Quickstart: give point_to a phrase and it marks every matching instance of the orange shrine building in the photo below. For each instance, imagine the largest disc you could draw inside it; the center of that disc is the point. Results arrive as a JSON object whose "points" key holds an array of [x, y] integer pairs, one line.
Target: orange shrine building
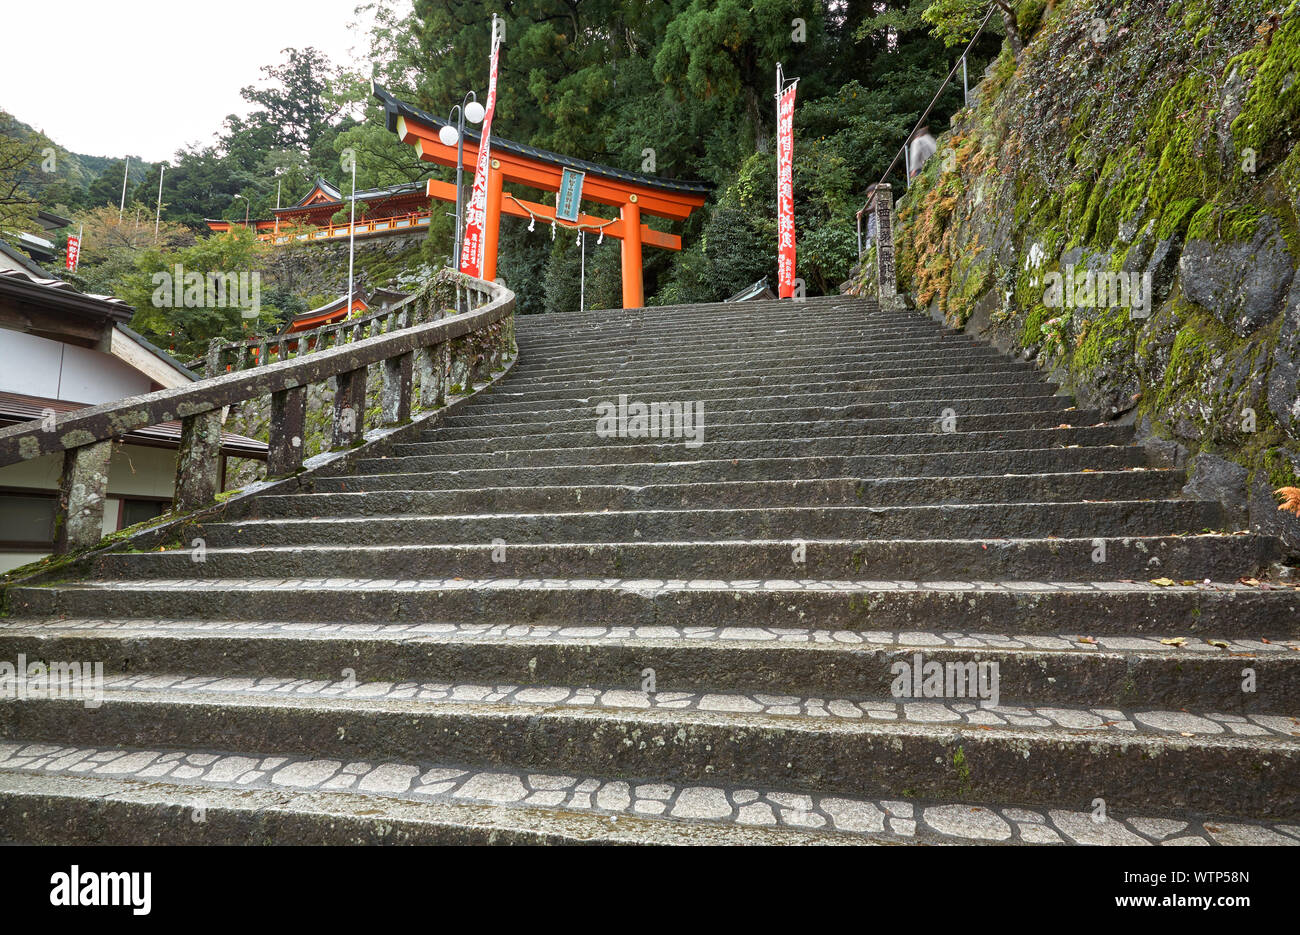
{"points": [[390, 210]]}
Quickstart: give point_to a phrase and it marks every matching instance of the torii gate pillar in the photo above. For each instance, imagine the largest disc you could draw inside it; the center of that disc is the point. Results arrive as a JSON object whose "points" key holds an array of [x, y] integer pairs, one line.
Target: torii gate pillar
{"points": [[633, 286], [492, 221]]}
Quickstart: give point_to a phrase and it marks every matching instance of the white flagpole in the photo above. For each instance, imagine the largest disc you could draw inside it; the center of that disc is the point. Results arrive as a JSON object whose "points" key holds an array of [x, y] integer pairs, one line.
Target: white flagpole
{"points": [[122, 206], [157, 217]]}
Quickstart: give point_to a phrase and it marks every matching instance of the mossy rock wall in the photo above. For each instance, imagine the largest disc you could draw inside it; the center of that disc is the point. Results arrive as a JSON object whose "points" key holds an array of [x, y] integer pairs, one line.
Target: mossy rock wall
{"points": [[1154, 140]]}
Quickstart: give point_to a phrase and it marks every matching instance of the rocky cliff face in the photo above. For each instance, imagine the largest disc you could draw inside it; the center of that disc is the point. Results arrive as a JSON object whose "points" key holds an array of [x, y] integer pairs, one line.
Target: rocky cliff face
{"points": [[1121, 207]]}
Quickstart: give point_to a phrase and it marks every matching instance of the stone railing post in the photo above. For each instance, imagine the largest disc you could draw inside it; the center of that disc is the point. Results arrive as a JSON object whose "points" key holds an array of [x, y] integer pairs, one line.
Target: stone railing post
{"points": [[882, 211], [214, 357], [349, 408], [288, 431], [395, 395], [460, 353], [82, 491], [198, 463]]}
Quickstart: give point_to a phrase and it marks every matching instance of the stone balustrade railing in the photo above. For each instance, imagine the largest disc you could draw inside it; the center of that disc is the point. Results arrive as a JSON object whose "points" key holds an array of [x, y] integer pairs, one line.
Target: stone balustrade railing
{"points": [[225, 356], [440, 352]]}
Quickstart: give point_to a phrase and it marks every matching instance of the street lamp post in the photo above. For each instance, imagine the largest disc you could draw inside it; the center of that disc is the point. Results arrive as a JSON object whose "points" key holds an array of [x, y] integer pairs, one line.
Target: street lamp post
{"points": [[352, 233], [236, 198], [468, 109]]}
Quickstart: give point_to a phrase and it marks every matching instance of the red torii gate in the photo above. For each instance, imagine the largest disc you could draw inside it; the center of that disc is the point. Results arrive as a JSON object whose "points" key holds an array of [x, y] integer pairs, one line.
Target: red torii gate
{"points": [[633, 194]]}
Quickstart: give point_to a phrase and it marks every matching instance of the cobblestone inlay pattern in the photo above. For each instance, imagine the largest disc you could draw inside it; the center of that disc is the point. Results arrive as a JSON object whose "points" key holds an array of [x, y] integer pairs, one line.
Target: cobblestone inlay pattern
{"points": [[645, 585], [560, 632], [1179, 723], [747, 807]]}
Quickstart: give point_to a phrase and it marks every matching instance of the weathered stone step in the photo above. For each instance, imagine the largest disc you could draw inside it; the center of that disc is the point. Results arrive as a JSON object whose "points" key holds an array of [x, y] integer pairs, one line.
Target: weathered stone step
{"points": [[360, 498], [934, 399], [1150, 767], [246, 799], [1179, 557], [778, 366], [621, 323], [696, 355], [1042, 670], [399, 473], [766, 408], [478, 441], [873, 424], [843, 378], [622, 451], [917, 521], [779, 354], [1217, 611], [637, 331], [40, 809]]}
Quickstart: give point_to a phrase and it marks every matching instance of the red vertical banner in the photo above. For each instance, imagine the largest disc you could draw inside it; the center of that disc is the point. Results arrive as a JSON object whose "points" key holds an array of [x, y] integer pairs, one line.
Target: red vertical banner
{"points": [[74, 251], [471, 249], [785, 251]]}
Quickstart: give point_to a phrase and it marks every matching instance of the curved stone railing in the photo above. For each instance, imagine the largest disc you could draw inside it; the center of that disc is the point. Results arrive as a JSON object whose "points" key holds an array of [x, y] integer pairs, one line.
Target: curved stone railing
{"points": [[445, 352], [425, 305]]}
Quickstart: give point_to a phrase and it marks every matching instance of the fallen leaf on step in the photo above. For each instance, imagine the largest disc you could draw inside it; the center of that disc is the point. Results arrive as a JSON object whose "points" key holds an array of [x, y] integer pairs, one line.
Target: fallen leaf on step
{"points": [[1219, 643], [1163, 582], [1175, 641], [1091, 641], [1250, 581]]}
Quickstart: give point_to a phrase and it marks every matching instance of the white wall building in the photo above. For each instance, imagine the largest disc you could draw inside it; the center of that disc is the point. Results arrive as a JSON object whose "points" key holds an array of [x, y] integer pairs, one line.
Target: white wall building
{"points": [[62, 350]]}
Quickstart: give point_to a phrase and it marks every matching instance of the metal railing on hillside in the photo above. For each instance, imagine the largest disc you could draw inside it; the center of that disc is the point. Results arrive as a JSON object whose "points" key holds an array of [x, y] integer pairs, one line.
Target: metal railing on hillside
{"points": [[441, 352], [902, 150]]}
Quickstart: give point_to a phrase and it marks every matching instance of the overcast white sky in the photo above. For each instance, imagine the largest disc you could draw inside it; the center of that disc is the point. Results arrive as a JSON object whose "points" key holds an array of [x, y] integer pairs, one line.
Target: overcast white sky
{"points": [[148, 76]]}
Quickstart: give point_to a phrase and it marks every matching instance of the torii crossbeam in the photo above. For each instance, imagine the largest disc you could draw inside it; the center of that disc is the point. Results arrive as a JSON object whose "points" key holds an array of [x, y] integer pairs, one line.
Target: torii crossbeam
{"points": [[633, 194]]}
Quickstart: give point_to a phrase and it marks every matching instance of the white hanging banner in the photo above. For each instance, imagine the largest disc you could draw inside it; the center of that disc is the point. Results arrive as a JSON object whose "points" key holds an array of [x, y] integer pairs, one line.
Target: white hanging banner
{"points": [[471, 250]]}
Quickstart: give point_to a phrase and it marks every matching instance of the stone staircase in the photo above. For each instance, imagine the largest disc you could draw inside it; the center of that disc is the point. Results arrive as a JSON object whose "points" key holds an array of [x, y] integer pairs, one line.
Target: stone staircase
{"points": [[516, 630]]}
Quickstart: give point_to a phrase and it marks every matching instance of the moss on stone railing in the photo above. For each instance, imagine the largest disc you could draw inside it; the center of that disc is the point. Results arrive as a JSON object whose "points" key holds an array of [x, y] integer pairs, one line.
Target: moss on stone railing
{"points": [[428, 354]]}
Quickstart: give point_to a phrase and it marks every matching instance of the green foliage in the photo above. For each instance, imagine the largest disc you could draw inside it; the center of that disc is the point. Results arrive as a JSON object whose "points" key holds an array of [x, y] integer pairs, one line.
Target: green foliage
{"points": [[954, 21], [679, 89], [187, 328]]}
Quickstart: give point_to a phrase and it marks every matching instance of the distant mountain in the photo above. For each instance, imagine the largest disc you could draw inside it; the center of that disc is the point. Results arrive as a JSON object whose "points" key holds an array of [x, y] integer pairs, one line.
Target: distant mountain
{"points": [[73, 174]]}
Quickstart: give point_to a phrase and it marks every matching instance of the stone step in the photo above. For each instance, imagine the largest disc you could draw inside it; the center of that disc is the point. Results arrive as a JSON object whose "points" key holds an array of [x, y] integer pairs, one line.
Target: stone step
{"points": [[399, 473], [919, 521], [783, 408], [246, 799], [635, 330], [1179, 557], [635, 450], [1137, 761], [359, 498], [478, 441], [841, 379], [1219, 611], [1074, 669], [780, 356], [996, 397]]}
